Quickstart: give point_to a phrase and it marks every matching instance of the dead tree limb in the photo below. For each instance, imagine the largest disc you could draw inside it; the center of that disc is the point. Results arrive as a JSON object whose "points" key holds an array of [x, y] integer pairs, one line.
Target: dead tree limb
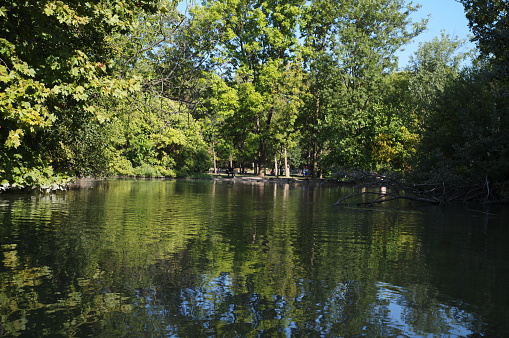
{"points": [[374, 188]]}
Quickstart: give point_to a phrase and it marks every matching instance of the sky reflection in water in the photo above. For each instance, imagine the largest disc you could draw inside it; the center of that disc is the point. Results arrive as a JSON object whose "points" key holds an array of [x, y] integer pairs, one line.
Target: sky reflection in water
{"points": [[176, 258]]}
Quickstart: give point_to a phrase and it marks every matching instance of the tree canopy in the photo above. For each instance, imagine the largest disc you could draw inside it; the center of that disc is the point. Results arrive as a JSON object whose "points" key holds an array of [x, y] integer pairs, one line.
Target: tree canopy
{"points": [[489, 23]]}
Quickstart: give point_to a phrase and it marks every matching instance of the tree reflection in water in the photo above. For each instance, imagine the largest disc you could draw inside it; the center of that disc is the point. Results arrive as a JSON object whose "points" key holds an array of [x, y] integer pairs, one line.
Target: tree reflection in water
{"points": [[174, 258]]}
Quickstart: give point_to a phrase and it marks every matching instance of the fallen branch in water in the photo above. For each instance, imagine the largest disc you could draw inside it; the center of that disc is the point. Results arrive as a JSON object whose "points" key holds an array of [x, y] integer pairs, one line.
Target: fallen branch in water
{"points": [[375, 188]]}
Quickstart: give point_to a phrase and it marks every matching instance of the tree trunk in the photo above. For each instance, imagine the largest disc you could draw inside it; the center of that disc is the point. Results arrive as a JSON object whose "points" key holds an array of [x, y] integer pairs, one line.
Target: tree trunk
{"points": [[276, 172], [261, 159], [287, 169], [315, 172], [215, 160]]}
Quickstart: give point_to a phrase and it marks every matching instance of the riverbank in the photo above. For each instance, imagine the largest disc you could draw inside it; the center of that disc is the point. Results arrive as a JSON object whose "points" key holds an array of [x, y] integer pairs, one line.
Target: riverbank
{"points": [[294, 179], [89, 182]]}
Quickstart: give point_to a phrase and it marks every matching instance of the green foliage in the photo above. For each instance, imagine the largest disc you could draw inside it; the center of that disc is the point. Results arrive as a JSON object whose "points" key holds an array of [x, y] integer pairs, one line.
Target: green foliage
{"points": [[194, 163], [18, 173], [157, 129], [121, 88], [79, 83], [258, 42], [156, 142], [434, 65], [54, 61], [442, 95], [489, 22], [350, 49], [466, 139]]}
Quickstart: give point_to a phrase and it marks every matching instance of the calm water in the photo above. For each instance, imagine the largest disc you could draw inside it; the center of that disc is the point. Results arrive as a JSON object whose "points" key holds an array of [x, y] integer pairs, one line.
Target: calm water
{"points": [[215, 259]]}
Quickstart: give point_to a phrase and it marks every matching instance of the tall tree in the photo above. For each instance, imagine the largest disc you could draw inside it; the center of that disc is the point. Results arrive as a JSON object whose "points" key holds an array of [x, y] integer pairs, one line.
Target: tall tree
{"points": [[486, 132], [259, 40], [351, 47], [433, 66], [463, 112], [160, 132]]}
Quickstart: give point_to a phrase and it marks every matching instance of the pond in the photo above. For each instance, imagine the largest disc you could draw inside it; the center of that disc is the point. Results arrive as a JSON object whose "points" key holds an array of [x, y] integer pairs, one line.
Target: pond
{"points": [[171, 258]]}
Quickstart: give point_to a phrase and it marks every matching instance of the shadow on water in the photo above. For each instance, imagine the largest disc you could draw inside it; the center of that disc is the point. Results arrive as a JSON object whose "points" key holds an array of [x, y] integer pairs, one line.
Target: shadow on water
{"points": [[200, 259]]}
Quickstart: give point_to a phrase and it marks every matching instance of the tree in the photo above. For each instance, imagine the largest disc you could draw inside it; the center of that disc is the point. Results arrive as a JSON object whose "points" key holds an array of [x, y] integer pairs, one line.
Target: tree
{"points": [[489, 22], [160, 131], [350, 49], [462, 116], [287, 104], [433, 70], [54, 60], [482, 150], [258, 43], [433, 66], [218, 104]]}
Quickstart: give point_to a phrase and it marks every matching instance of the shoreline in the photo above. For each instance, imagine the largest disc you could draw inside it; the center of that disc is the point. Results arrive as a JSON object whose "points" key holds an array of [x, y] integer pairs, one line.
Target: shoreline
{"points": [[276, 179]]}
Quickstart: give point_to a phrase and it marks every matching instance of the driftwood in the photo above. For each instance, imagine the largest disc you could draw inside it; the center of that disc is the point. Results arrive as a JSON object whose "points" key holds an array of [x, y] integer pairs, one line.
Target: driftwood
{"points": [[375, 188]]}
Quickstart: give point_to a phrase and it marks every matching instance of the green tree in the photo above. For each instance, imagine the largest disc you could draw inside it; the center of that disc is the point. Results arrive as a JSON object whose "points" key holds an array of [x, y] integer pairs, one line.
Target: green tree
{"points": [[54, 60], [431, 71], [465, 139], [158, 128], [219, 103], [258, 42], [435, 70], [350, 48], [483, 114], [288, 101], [433, 66], [489, 22]]}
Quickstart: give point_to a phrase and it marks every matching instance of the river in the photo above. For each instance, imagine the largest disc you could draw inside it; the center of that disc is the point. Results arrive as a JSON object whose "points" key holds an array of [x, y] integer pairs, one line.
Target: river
{"points": [[172, 258]]}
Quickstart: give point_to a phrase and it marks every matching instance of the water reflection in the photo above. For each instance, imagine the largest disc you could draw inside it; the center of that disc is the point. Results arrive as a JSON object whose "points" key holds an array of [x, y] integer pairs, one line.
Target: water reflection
{"points": [[396, 307], [175, 258]]}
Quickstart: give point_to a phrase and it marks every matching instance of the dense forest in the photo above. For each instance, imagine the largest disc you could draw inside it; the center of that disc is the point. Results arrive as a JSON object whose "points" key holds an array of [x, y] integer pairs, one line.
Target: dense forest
{"points": [[137, 88]]}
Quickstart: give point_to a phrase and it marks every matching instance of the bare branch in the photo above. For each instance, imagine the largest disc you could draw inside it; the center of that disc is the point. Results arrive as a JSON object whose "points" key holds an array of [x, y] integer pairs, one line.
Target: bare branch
{"points": [[380, 188], [154, 44]]}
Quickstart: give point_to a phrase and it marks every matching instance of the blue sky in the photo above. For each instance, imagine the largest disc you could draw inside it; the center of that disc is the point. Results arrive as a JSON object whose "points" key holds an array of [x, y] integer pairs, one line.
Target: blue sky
{"points": [[447, 15]]}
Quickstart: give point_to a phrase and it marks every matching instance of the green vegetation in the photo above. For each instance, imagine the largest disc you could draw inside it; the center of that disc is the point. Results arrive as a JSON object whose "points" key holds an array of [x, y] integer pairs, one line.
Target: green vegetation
{"points": [[136, 88]]}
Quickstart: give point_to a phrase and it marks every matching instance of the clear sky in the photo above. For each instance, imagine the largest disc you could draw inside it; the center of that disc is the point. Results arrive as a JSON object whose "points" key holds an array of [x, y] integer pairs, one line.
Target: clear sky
{"points": [[447, 15]]}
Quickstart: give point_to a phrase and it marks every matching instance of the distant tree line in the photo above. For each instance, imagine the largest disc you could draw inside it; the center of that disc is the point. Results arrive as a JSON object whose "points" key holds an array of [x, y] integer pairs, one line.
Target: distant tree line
{"points": [[137, 88]]}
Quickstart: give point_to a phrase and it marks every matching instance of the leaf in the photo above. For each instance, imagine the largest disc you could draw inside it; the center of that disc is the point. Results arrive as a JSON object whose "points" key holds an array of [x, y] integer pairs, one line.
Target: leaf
{"points": [[14, 138], [80, 94], [48, 10]]}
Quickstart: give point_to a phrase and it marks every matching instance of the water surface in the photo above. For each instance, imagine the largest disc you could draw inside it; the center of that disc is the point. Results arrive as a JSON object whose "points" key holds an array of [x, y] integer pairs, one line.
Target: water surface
{"points": [[217, 259]]}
